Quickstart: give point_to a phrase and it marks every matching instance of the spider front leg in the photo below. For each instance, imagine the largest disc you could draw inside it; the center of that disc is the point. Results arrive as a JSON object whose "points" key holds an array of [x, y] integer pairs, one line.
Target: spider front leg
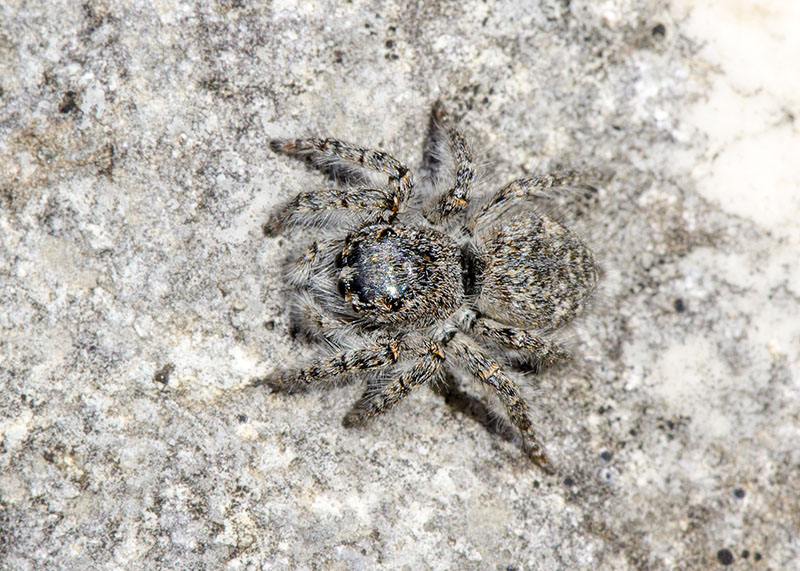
{"points": [[327, 153], [310, 208], [521, 190], [373, 403], [300, 272], [309, 318], [325, 370], [541, 351], [490, 372], [457, 197]]}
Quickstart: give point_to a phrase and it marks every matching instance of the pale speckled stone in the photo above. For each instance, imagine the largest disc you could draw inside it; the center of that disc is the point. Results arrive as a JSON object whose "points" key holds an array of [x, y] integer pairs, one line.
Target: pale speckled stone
{"points": [[138, 292]]}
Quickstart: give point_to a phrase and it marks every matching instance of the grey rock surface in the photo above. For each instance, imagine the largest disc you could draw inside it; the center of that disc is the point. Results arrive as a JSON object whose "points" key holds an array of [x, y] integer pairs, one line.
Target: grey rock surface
{"points": [[139, 296]]}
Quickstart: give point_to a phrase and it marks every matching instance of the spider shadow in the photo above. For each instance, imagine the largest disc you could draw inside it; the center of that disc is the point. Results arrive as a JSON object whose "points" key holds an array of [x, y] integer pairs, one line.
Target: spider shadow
{"points": [[473, 407]]}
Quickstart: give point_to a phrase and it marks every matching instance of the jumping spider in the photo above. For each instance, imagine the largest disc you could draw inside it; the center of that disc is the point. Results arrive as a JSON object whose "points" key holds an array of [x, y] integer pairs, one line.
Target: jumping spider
{"points": [[405, 291]]}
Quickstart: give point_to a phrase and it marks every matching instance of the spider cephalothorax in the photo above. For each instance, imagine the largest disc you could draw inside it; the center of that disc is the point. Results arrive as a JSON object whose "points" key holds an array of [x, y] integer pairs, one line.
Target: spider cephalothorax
{"points": [[400, 275], [413, 291]]}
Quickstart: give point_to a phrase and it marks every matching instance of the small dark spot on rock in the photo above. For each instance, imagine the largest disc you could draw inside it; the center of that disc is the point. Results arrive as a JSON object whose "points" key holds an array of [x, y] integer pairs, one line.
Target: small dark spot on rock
{"points": [[389, 44], [70, 102], [269, 325], [536, 483], [569, 482], [606, 455], [679, 306], [739, 493], [745, 554], [162, 375], [659, 31], [214, 83], [725, 556], [756, 556], [49, 456], [241, 417]]}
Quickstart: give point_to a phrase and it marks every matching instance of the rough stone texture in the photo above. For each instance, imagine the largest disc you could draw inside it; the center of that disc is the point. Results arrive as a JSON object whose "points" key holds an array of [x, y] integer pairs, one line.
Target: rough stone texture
{"points": [[139, 294]]}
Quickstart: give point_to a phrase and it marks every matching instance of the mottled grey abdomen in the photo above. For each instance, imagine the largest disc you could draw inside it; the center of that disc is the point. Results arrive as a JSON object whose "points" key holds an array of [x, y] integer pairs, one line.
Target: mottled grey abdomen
{"points": [[537, 274]]}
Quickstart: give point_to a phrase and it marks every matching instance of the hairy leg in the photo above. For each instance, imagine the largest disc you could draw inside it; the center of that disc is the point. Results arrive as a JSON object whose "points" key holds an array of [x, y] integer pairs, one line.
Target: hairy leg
{"points": [[478, 363], [309, 318], [325, 370], [301, 271], [373, 403], [523, 189], [309, 208], [542, 351], [332, 151], [457, 197]]}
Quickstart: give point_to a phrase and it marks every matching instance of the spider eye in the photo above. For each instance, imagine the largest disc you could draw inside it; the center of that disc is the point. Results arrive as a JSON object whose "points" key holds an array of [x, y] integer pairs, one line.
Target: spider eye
{"points": [[339, 261]]}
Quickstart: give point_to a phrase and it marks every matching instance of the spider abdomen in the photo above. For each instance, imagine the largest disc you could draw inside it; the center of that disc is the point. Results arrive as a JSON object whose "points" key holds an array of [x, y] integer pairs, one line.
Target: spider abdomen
{"points": [[537, 272], [401, 274]]}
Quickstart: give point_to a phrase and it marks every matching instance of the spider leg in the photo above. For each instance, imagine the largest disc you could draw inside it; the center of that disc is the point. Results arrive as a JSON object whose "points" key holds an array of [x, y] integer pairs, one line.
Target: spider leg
{"points": [[309, 318], [332, 152], [457, 197], [523, 189], [542, 350], [325, 370], [308, 315], [490, 372], [373, 403], [309, 208], [300, 272]]}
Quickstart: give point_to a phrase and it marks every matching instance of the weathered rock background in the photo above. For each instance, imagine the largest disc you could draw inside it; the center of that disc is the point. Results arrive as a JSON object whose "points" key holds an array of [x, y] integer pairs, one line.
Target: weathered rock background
{"points": [[139, 294]]}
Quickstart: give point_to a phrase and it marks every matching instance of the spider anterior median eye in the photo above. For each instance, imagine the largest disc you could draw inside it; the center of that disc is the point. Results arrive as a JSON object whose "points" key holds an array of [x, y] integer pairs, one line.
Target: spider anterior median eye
{"points": [[341, 287]]}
